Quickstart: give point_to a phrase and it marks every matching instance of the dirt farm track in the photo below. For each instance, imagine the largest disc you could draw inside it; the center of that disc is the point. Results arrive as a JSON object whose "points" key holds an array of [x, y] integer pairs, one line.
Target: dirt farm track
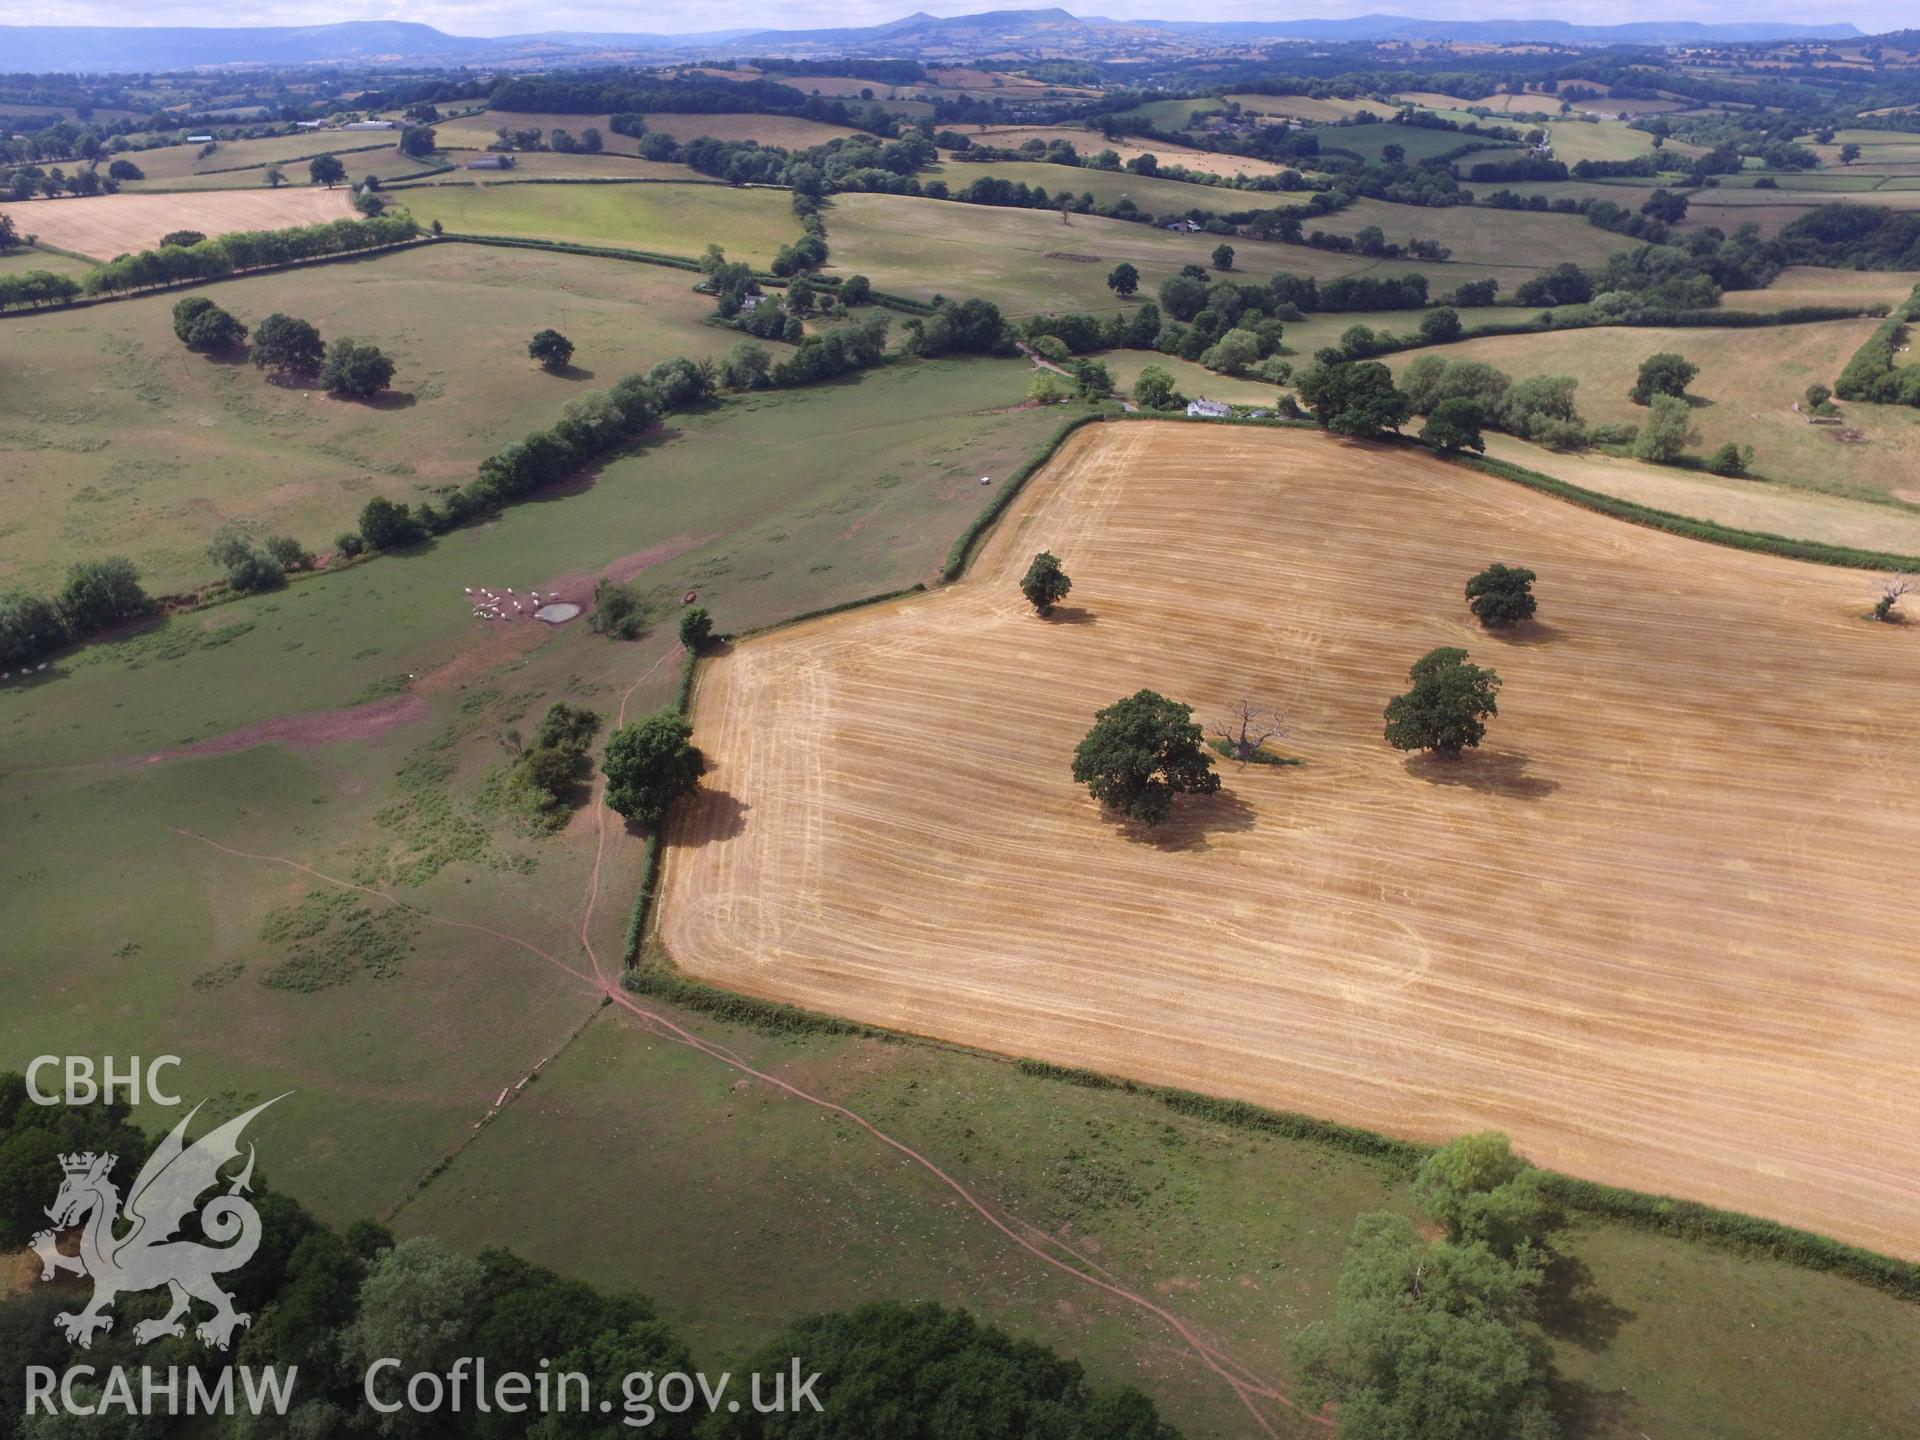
{"points": [[1663, 928]]}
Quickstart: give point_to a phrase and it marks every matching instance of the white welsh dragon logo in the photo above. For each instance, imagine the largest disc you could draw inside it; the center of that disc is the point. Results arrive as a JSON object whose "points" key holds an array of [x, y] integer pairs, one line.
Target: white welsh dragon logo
{"points": [[146, 1256]]}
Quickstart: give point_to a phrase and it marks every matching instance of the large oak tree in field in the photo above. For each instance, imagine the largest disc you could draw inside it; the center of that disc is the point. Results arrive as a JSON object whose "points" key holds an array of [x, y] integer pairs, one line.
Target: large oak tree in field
{"points": [[650, 764], [1447, 708], [1141, 752]]}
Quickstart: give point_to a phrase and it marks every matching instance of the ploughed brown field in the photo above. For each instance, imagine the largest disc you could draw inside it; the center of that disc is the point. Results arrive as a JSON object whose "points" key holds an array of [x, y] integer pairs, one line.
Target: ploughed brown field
{"points": [[104, 226], [1662, 927]]}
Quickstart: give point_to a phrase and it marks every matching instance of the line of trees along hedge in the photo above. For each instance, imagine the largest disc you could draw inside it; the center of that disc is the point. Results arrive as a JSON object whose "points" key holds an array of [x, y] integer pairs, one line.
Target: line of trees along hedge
{"points": [[1872, 373], [597, 425], [35, 288], [97, 595], [330, 1303], [246, 250]]}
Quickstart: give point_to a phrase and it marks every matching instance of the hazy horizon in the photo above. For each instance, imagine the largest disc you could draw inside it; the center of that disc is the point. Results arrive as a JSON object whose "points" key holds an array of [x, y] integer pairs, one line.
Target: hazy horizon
{"points": [[503, 17]]}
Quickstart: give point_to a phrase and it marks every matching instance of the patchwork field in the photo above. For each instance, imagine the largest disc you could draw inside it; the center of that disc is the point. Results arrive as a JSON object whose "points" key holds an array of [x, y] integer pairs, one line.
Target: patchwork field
{"points": [[158, 448], [173, 163], [1745, 393], [1517, 940], [673, 219], [789, 132], [1306, 107], [104, 226], [385, 162]]}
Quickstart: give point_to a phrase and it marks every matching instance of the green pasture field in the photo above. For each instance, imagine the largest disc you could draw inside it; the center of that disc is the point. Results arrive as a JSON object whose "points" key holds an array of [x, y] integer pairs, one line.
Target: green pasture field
{"points": [[1815, 181], [138, 940], [786, 131], [1303, 337], [1152, 194], [477, 132], [1631, 194], [1013, 257], [669, 219], [1576, 140], [1748, 382], [1191, 380], [137, 446], [546, 165], [770, 1207], [1368, 141], [65, 112], [1173, 115], [1479, 235], [1306, 107], [1877, 147], [23, 258]]}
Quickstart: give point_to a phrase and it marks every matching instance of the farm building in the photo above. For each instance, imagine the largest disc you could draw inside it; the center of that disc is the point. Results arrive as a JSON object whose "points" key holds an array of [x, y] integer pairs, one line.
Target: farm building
{"points": [[491, 162], [1209, 409], [370, 125]]}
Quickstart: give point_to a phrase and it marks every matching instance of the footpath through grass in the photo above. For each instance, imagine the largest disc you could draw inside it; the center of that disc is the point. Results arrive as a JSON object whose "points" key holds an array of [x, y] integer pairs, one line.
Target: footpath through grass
{"points": [[741, 1209], [396, 1034]]}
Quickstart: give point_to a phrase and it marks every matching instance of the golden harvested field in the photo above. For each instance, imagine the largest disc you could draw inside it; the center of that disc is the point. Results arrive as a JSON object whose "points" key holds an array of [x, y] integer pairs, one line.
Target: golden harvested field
{"points": [[104, 226], [1812, 285], [1656, 929], [1744, 504], [1744, 394], [1091, 142]]}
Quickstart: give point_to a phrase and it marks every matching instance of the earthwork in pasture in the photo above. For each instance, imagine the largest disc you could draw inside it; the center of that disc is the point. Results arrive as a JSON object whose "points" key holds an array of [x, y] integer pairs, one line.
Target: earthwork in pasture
{"points": [[104, 226], [1647, 928]]}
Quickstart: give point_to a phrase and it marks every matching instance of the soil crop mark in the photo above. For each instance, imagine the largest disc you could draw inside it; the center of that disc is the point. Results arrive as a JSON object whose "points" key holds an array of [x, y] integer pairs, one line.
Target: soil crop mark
{"points": [[315, 727]]}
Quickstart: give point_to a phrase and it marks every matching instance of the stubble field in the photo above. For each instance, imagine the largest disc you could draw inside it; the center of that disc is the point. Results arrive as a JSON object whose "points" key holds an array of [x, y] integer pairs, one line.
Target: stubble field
{"points": [[104, 226], [1641, 930]]}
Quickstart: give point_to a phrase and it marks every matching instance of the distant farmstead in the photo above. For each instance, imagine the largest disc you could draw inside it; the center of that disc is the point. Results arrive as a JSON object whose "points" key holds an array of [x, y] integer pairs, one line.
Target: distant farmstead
{"points": [[370, 125], [491, 162], [1209, 409]]}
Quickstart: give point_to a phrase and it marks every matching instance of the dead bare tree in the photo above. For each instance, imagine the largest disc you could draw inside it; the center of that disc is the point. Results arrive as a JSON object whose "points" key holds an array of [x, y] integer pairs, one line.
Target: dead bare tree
{"points": [[1244, 734], [1887, 607]]}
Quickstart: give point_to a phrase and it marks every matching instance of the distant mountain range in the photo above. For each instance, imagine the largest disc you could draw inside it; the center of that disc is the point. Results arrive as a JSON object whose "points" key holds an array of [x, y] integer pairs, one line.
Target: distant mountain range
{"points": [[41, 48]]}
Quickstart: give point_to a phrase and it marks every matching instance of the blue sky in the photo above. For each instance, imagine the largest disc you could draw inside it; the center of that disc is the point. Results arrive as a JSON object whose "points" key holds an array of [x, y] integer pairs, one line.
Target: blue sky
{"points": [[498, 17]]}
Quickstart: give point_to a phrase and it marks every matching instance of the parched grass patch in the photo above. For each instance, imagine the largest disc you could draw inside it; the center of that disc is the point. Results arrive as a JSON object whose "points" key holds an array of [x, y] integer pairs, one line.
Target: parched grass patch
{"points": [[334, 937]]}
